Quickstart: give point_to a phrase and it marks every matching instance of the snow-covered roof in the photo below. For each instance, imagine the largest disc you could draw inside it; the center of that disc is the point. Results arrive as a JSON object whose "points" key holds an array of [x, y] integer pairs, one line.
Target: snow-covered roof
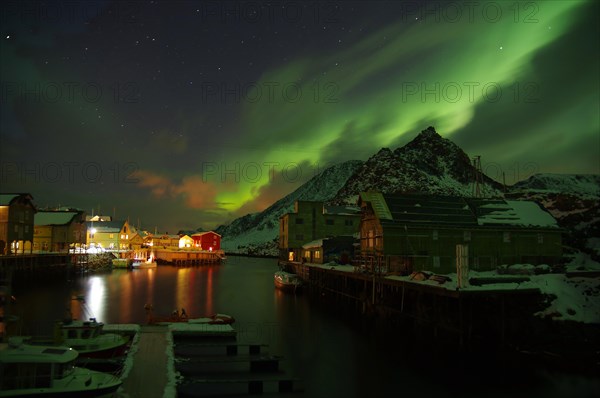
{"points": [[53, 217], [105, 225], [313, 244], [342, 210], [402, 209], [204, 233], [517, 212]]}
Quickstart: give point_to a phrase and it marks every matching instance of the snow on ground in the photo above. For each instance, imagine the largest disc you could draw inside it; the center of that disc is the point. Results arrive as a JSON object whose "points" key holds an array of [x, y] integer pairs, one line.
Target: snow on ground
{"points": [[594, 244], [201, 329], [575, 299], [172, 374], [132, 349], [570, 298], [582, 262]]}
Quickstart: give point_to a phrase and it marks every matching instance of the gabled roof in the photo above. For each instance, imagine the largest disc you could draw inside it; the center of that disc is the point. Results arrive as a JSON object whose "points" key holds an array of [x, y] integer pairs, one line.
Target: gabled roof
{"points": [[7, 199], [204, 233], [54, 217], [457, 211], [166, 236], [105, 226], [378, 203]]}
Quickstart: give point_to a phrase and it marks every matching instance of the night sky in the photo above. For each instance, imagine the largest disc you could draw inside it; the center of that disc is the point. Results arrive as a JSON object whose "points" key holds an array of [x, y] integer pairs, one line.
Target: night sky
{"points": [[188, 114]]}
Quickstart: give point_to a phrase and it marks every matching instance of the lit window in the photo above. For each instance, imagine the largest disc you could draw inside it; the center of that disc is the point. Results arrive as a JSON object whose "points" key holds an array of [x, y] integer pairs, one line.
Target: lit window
{"points": [[318, 254]]}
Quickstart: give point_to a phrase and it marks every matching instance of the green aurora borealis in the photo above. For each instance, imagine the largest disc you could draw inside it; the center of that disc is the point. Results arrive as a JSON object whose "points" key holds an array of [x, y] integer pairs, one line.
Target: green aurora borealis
{"points": [[514, 82]]}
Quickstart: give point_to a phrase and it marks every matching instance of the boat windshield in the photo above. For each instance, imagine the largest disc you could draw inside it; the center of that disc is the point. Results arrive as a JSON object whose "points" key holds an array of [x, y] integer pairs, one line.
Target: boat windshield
{"points": [[65, 369]]}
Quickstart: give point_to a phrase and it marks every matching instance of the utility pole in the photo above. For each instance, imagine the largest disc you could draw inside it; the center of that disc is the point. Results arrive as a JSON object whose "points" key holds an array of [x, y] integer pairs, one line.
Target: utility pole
{"points": [[478, 177]]}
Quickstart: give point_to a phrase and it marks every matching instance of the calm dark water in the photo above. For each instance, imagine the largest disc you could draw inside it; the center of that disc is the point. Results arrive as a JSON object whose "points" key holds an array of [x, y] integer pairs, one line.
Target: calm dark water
{"points": [[337, 355]]}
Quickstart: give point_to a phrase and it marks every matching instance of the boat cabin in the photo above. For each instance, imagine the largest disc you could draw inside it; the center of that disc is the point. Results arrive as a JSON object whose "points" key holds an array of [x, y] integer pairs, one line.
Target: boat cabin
{"points": [[25, 367]]}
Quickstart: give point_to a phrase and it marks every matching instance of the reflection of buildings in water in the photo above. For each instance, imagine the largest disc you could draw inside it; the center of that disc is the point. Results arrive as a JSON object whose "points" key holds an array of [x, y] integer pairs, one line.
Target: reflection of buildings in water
{"points": [[184, 291], [126, 297], [96, 298], [209, 291], [191, 283]]}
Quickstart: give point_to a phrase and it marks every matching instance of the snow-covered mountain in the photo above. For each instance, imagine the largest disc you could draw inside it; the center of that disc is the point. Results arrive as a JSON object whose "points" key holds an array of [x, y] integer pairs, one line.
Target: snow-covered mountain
{"points": [[574, 200], [427, 164], [255, 233]]}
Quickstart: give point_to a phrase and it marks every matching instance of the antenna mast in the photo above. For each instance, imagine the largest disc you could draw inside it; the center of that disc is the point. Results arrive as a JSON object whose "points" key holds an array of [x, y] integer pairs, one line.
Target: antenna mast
{"points": [[478, 177]]}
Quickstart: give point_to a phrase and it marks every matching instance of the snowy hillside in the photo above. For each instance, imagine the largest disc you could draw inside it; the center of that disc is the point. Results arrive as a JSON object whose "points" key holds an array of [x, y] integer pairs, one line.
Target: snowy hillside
{"points": [[431, 164], [574, 200], [249, 233], [428, 164], [581, 185]]}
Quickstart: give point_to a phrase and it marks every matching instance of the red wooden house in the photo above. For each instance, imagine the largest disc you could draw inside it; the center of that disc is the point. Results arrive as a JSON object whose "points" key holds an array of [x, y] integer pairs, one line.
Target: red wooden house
{"points": [[210, 241]]}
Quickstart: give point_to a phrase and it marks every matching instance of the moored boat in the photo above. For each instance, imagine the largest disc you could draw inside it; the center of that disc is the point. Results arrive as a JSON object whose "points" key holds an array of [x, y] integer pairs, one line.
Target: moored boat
{"points": [[38, 371], [287, 281], [143, 264], [87, 338], [148, 263], [176, 317]]}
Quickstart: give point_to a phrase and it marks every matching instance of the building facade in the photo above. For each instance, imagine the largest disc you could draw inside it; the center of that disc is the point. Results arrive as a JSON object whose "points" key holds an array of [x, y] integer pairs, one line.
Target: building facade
{"points": [[16, 223], [109, 235], [59, 230], [313, 220], [337, 249], [209, 240], [410, 232]]}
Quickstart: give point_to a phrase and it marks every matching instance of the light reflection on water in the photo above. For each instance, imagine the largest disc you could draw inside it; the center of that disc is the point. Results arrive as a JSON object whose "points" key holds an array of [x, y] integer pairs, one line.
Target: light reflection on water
{"points": [[335, 356]]}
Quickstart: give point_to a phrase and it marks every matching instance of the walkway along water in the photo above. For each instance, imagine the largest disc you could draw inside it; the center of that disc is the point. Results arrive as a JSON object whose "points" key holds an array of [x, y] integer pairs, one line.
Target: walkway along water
{"points": [[148, 377]]}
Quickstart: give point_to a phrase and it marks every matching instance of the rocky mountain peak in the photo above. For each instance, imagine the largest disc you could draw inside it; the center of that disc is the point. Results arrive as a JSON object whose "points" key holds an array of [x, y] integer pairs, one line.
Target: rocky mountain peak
{"points": [[428, 163]]}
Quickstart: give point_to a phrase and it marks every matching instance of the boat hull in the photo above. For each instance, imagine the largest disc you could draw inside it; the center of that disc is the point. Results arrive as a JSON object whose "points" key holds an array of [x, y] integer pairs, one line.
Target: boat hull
{"points": [[287, 282], [144, 265], [109, 352], [288, 287]]}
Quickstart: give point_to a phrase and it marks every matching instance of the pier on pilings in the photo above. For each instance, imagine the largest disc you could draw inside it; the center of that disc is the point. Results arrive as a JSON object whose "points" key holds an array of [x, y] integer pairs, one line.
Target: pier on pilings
{"points": [[27, 266], [427, 311]]}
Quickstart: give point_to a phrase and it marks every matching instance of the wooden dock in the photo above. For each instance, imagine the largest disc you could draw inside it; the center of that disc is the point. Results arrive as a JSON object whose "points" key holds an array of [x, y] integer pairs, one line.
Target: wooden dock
{"points": [[148, 376], [230, 369], [458, 316], [189, 257]]}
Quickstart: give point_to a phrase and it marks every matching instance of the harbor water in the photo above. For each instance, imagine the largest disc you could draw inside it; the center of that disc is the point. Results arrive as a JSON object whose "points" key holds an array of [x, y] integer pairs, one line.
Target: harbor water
{"points": [[335, 353]]}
